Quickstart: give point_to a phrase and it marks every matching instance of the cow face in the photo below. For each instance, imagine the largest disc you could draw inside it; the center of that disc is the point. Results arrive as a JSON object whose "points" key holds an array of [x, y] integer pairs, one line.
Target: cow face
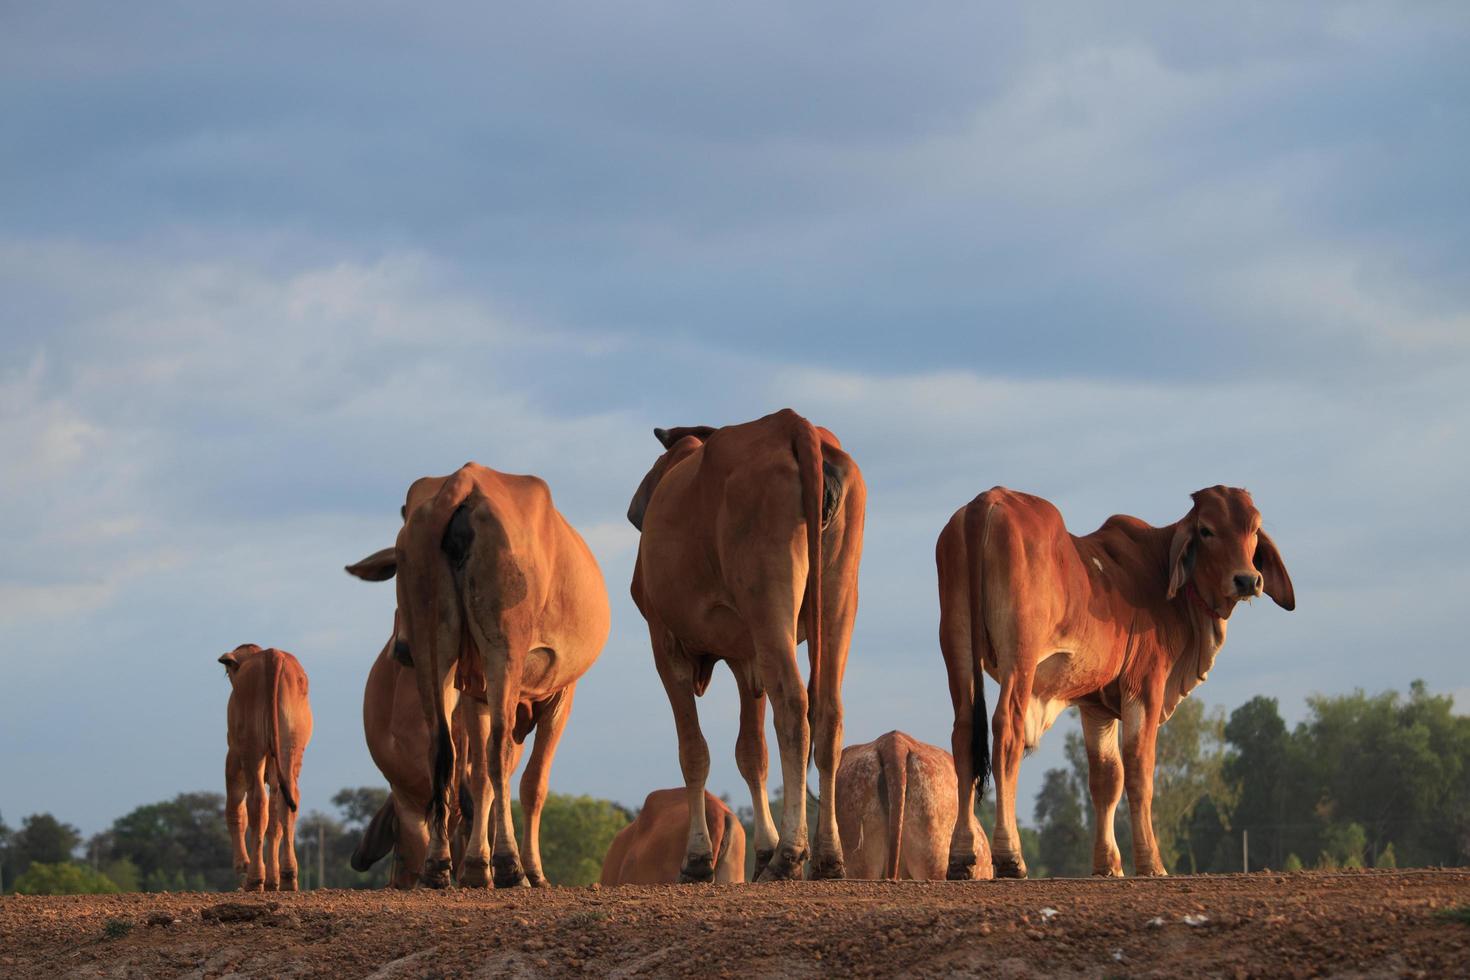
{"points": [[1220, 550], [678, 443]]}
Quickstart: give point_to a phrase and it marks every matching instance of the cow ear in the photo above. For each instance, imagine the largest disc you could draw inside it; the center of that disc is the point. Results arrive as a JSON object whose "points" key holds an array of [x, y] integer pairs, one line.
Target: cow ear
{"points": [[1181, 557], [377, 567], [1273, 571], [231, 661], [667, 437], [639, 504]]}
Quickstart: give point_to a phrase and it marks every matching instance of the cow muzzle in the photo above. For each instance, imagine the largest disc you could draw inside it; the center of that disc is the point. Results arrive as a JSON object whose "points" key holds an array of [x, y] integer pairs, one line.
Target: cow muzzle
{"points": [[1248, 585]]}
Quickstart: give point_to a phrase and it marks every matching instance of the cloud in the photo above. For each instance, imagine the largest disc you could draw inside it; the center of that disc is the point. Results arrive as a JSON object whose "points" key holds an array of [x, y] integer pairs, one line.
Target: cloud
{"points": [[263, 268]]}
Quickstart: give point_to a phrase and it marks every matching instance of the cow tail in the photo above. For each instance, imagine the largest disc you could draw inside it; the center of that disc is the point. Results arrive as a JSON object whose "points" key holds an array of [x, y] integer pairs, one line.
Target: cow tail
{"points": [[722, 844], [891, 765], [808, 446], [378, 839], [975, 523], [283, 775]]}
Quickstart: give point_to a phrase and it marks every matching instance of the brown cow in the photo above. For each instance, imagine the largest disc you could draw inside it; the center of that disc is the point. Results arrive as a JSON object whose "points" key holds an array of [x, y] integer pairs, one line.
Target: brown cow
{"points": [[751, 540], [269, 726], [398, 740], [486, 563], [896, 808], [1122, 622], [650, 850]]}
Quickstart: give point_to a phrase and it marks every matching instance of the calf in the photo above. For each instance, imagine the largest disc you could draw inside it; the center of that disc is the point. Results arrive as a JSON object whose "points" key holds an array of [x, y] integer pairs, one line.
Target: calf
{"points": [[269, 726], [896, 808], [650, 850]]}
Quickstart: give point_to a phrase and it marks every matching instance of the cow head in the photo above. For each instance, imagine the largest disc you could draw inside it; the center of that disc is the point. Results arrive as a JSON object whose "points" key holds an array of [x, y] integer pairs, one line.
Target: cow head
{"points": [[1220, 551], [678, 443], [236, 657]]}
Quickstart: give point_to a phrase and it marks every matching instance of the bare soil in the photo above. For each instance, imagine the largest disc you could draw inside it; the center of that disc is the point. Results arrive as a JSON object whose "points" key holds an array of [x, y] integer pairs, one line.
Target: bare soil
{"points": [[1356, 924]]}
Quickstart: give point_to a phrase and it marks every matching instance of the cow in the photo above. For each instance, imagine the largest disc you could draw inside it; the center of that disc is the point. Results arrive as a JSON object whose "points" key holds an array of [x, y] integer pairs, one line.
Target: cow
{"points": [[485, 564], [896, 808], [751, 538], [650, 850], [1122, 623], [269, 725], [398, 740]]}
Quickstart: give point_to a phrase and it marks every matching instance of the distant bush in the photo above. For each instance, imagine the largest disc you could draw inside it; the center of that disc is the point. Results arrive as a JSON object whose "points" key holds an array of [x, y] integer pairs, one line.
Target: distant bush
{"points": [[63, 878], [1293, 863], [1386, 858]]}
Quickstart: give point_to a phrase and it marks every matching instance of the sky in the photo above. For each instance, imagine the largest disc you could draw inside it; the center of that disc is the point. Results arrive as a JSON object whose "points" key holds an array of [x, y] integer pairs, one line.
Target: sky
{"points": [[262, 265]]}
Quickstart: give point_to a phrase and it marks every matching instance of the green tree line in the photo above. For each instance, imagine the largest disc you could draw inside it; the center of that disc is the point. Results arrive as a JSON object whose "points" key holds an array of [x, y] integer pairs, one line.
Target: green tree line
{"points": [[1381, 780], [183, 844], [1362, 781]]}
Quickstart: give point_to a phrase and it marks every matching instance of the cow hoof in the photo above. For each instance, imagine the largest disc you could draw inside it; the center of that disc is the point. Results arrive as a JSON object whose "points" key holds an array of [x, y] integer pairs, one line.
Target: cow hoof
{"points": [[1108, 873], [1158, 872], [785, 865], [828, 869], [254, 885], [537, 881], [288, 883], [435, 874], [474, 873], [961, 869], [509, 874], [762, 858], [272, 886], [1010, 868], [697, 870]]}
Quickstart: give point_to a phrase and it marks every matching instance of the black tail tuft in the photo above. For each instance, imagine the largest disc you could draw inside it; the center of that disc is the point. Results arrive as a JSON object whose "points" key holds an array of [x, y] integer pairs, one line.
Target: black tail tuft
{"points": [[980, 736]]}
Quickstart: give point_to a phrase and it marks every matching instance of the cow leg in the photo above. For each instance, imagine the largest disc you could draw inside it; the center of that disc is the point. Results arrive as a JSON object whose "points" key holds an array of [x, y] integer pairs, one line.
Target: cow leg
{"points": [[751, 757], [273, 829], [1105, 784], [550, 720], [237, 785], [413, 843], [1140, 736], [677, 673], [969, 851], [288, 851], [429, 601], [474, 865], [777, 660], [256, 802], [1009, 730], [826, 713]]}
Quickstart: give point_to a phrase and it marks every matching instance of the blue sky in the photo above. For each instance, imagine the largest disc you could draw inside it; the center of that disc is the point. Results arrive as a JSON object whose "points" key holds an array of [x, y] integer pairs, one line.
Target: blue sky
{"points": [[261, 266]]}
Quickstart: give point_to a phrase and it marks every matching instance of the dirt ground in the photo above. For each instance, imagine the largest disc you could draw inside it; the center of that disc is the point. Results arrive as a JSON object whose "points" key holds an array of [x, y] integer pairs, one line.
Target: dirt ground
{"points": [[1363, 924]]}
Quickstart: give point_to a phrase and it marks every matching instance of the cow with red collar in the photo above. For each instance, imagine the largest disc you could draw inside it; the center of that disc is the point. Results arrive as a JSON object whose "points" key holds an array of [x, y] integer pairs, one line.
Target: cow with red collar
{"points": [[1122, 622]]}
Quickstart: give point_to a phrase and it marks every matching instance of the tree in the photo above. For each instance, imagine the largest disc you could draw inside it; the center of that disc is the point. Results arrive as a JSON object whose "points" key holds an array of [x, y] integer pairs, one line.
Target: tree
{"points": [[1399, 767], [1258, 766], [359, 805], [41, 838], [63, 878], [575, 834], [177, 845], [1062, 832], [5, 834]]}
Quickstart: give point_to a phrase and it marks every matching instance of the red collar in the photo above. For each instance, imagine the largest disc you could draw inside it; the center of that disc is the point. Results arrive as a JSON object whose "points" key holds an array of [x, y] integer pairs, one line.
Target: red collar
{"points": [[1199, 600]]}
